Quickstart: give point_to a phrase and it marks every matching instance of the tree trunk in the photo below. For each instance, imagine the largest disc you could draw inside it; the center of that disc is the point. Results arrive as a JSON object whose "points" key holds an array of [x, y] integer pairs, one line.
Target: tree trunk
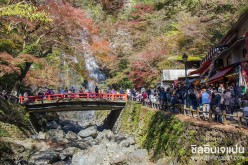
{"points": [[23, 74]]}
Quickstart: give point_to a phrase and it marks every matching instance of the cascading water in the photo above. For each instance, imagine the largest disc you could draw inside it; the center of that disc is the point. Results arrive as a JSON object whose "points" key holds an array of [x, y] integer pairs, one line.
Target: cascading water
{"points": [[95, 75]]}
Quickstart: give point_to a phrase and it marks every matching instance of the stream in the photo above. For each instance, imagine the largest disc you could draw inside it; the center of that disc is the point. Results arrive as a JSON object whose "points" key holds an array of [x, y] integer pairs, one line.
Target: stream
{"points": [[76, 138]]}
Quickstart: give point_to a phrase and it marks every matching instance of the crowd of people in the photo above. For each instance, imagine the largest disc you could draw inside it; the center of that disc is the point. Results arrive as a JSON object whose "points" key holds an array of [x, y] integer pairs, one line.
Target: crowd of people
{"points": [[5, 95], [219, 98], [72, 90]]}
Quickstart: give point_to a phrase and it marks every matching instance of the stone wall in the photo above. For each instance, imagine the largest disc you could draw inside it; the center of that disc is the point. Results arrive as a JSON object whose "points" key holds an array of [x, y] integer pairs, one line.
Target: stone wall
{"points": [[170, 140]]}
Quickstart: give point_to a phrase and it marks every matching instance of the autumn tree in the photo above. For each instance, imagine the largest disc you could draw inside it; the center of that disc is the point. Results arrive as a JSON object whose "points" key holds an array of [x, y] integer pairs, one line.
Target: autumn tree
{"points": [[37, 29]]}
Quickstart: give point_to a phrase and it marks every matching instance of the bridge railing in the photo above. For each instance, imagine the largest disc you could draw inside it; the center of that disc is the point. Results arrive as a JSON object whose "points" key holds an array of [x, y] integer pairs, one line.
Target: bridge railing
{"points": [[72, 96]]}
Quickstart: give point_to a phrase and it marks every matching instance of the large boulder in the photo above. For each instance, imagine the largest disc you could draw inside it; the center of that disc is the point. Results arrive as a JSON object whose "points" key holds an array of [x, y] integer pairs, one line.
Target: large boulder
{"points": [[68, 152], [71, 127], [41, 136], [105, 134], [46, 157], [118, 138], [53, 125], [139, 156], [118, 158], [82, 144], [55, 134], [95, 155], [131, 140], [89, 131], [71, 135], [124, 143], [67, 162]]}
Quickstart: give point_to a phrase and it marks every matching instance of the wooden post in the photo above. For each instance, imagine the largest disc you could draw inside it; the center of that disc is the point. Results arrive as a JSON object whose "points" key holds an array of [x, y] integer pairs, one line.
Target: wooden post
{"points": [[197, 112], [224, 117], [126, 97], [191, 111], [210, 115], [184, 110], [20, 99], [239, 121], [113, 97]]}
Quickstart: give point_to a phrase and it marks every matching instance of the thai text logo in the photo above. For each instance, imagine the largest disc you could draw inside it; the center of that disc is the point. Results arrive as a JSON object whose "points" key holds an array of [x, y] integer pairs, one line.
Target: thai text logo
{"points": [[206, 149]]}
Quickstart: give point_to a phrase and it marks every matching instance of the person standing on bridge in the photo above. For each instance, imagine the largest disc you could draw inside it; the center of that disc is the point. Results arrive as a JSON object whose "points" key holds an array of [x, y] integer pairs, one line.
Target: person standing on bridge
{"points": [[62, 91], [96, 89], [121, 91], [25, 95]]}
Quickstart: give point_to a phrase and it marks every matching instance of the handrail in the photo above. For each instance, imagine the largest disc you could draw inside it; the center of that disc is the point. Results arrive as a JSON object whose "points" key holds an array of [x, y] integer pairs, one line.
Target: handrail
{"points": [[183, 110], [71, 96]]}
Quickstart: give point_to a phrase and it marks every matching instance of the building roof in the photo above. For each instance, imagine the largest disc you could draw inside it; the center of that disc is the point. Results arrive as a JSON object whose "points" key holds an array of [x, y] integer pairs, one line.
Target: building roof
{"points": [[231, 34], [234, 28]]}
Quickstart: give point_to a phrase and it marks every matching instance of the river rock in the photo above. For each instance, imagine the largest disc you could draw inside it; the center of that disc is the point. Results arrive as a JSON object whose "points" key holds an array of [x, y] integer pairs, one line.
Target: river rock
{"points": [[71, 127], [52, 125], [55, 134], [82, 145], [68, 152], [108, 134], [112, 148], [100, 136], [105, 134], [41, 136], [171, 161], [118, 158], [7, 162], [118, 138], [124, 143], [131, 140], [88, 139], [22, 162], [67, 162], [46, 157], [89, 131], [138, 156], [71, 135], [92, 156]]}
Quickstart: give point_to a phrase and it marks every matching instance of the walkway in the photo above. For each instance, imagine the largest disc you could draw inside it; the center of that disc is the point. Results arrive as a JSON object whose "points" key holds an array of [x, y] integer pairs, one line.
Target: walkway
{"points": [[236, 119]]}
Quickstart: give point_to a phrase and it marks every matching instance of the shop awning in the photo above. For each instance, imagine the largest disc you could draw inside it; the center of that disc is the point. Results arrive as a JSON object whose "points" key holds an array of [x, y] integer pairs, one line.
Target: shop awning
{"points": [[203, 67], [219, 75]]}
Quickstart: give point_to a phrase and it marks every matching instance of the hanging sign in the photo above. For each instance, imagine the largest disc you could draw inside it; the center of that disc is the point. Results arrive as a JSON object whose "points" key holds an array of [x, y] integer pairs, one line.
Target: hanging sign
{"points": [[246, 44]]}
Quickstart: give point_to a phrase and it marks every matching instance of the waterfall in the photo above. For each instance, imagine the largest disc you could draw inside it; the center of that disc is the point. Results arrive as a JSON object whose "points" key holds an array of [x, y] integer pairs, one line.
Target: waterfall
{"points": [[95, 75]]}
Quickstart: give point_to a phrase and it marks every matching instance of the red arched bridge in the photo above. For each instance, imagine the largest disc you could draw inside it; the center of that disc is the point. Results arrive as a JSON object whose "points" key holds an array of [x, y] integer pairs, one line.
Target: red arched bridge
{"points": [[74, 102]]}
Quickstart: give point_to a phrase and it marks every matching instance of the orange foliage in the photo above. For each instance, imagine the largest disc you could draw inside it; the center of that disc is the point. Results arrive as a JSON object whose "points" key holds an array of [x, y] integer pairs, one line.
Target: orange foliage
{"points": [[47, 76], [69, 20], [112, 6], [7, 64], [141, 10], [102, 52], [30, 58]]}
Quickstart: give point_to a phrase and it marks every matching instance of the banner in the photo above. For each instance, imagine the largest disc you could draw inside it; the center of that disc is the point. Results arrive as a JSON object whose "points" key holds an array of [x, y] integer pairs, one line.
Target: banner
{"points": [[246, 44], [244, 71]]}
